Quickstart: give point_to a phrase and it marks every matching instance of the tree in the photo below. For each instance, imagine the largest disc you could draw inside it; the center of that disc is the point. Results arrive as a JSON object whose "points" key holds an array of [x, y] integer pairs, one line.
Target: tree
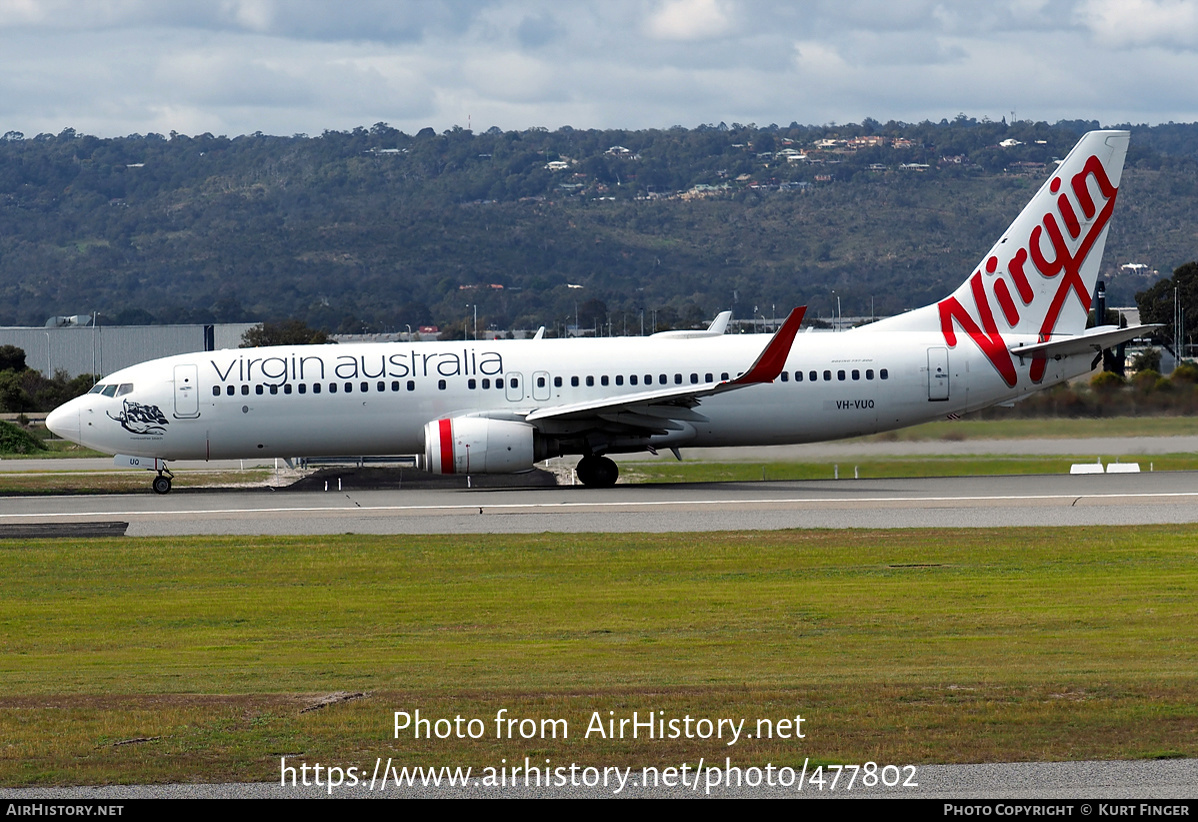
{"points": [[284, 332], [12, 358], [1156, 304]]}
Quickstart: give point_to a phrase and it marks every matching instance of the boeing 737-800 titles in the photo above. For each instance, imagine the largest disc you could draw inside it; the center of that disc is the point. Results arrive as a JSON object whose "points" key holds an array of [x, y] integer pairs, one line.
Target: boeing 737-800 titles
{"points": [[1016, 325]]}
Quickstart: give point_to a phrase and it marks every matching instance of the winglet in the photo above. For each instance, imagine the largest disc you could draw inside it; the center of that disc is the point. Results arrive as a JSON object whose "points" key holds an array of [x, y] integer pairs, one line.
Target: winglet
{"points": [[769, 365]]}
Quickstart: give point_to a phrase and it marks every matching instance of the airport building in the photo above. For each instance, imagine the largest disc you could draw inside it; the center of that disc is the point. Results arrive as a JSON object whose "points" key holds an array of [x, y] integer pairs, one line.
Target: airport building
{"points": [[73, 345]]}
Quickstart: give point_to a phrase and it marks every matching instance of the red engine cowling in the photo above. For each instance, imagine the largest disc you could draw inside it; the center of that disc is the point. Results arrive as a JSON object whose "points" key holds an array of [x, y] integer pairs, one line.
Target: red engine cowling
{"points": [[477, 445]]}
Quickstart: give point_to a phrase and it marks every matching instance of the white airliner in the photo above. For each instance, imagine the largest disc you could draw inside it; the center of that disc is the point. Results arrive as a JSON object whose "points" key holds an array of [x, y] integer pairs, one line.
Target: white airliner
{"points": [[1015, 326]]}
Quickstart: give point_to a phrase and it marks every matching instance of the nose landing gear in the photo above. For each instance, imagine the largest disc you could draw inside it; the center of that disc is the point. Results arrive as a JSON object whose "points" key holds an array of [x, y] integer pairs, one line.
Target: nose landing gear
{"points": [[162, 482]]}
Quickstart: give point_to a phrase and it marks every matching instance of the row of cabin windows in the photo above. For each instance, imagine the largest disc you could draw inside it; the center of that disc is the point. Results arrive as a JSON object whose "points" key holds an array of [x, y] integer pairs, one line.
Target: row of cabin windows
{"points": [[513, 382], [633, 379], [841, 375], [317, 388]]}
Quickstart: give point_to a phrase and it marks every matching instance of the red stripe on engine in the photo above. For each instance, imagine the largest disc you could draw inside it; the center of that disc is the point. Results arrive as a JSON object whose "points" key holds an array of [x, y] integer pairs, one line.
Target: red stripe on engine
{"points": [[445, 429]]}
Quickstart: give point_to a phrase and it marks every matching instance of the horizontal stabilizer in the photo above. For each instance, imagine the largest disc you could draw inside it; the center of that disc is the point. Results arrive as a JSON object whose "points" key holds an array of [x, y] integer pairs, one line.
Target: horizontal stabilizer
{"points": [[1094, 340]]}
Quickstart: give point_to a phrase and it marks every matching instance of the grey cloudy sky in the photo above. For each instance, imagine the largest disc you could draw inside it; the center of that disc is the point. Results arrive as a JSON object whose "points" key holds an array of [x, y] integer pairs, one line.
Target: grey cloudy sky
{"points": [[116, 67]]}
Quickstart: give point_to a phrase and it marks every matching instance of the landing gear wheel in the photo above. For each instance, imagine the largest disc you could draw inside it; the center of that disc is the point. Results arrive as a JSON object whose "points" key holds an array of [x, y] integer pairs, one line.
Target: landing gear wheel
{"points": [[597, 472], [162, 484]]}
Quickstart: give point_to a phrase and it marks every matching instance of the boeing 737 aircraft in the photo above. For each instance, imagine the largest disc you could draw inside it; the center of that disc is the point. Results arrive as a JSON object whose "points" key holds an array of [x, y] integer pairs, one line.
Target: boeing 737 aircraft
{"points": [[1016, 325]]}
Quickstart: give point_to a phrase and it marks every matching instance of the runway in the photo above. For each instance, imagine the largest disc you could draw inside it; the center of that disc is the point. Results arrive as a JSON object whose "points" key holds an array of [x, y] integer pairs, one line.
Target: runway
{"points": [[961, 502]]}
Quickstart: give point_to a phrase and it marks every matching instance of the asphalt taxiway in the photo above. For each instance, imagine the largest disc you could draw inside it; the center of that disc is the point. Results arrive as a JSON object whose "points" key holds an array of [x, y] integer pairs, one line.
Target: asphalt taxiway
{"points": [[1042, 500]]}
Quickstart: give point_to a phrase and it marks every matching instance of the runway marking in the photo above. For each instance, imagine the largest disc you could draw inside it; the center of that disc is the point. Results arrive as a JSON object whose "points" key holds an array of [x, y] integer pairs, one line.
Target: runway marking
{"points": [[1071, 499]]}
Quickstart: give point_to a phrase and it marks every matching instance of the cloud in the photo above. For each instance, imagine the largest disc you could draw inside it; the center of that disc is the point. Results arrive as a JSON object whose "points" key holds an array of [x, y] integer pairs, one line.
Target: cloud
{"points": [[1120, 23], [689, 20], [239, 66]]}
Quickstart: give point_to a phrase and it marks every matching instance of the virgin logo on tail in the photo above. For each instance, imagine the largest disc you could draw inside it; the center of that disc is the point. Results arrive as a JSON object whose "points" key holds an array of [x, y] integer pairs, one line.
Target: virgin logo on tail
{"points": [[1044, 290]]}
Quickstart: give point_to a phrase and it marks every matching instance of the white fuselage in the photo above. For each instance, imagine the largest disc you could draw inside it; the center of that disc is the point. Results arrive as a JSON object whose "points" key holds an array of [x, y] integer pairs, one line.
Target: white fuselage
{"points": [[376, 398]]}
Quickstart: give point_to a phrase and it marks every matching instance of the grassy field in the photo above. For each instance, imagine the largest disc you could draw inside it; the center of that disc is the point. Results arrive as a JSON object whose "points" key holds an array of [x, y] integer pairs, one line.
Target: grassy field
{"points": [[895, 646], [26, 483], [914, 466], [1042, 428]]}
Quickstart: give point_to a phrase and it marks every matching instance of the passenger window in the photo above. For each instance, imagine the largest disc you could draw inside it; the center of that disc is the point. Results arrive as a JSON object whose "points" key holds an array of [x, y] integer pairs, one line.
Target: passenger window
{"points": [[856, 374], [441, 384], [574, 382], [471, 384], [694, 379], [315, 388], [215, 390], [603, 380], [708, 378], [540, 382], [557, 382], [274, 389], [513, 382], [258, 390], [785, 377], [590, 381], [412, 385], [619, 379], [798, 376], [395, 385], [662, 379], [245, 390], [365, 387], [649, 379], [813, 376], [840, 375], [677, 379], [332, 388], [827, 376], [230, 390], [303, 388], [382, 386], [723, 376], [884, 374], [869, 373], [632, 380], [498, 382], [286, 388]]}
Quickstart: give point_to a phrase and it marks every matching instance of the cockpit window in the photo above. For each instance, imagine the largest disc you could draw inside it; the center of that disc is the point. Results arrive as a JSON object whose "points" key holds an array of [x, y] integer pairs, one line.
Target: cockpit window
{"points": [[97, 388], [109, 390], [126, 388]]}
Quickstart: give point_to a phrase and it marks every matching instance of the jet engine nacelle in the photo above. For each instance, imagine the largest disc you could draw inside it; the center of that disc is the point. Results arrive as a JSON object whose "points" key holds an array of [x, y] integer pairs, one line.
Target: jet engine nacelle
{"points": [[477, 445]]}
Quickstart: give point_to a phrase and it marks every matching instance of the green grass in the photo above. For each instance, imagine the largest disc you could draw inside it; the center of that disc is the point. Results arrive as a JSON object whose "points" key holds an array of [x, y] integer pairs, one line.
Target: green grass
{"points": [[897, 646], [1042, 428], [37, 483], [664, 471]]}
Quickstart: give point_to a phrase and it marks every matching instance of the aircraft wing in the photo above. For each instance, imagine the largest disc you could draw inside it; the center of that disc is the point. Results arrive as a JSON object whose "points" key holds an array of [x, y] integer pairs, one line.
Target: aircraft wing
{"points": [[1094, 340], [655, 410]]}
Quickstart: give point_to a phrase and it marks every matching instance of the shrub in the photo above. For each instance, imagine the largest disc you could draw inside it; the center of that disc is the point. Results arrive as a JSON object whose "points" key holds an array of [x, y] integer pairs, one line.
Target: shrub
{"points": [[16, 440]]}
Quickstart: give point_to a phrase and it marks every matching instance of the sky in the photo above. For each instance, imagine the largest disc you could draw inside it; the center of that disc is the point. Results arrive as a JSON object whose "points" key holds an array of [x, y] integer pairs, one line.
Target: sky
{"points": [[118, 67]]}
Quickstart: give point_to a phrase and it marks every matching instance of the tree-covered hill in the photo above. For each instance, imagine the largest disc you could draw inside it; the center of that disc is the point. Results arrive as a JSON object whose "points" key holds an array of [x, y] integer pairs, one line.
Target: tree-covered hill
{"points": [[375, 229]]}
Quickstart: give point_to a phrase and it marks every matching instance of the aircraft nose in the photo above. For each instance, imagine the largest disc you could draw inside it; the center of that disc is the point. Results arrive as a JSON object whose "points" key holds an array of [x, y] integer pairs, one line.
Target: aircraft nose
{"points": [[64, 421]]}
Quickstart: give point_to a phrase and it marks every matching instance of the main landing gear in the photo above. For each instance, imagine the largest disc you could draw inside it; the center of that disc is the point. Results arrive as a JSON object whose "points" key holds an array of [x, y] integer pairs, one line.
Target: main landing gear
{"points": [[162, 482], [597, 472]]}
